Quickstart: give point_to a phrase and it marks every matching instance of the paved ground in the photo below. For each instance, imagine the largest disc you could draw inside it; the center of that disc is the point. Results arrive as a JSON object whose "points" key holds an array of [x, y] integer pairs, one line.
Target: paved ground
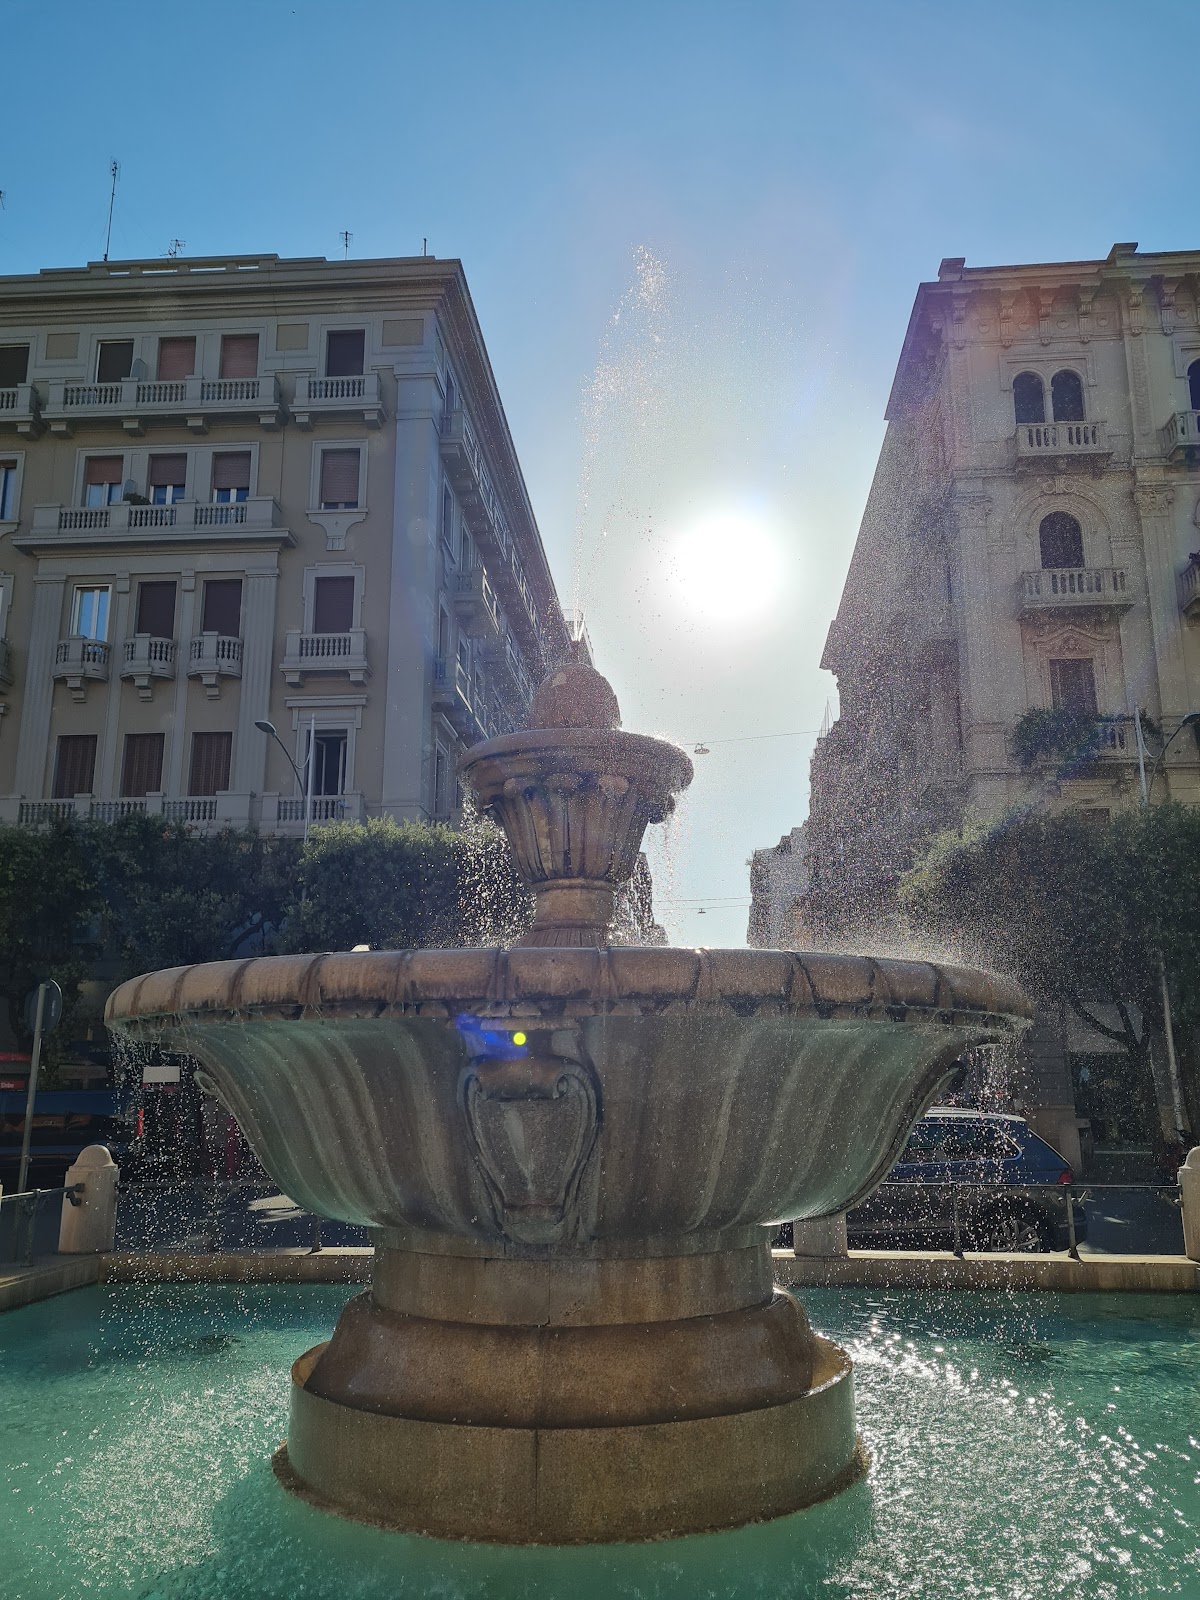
{"points": [[1135, 1223]]}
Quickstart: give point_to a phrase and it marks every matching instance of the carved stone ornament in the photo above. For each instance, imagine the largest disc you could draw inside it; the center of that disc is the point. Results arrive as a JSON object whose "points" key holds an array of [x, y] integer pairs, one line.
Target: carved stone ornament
{"points": [[531, 1124], [1153, 500]]}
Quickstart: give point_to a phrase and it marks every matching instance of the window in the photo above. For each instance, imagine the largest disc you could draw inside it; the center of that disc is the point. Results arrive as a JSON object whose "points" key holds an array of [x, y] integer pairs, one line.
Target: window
{"points": [[466, 554], [221, 611], [176, 358], [339, 480], [89, 615], [333, 604], [1066, 396], [464, 657], [1060, 541], [447, 515], [443, 634], [74, 765], [344, 352], [114, 360], [102, 480], [1194, 385], [8, 490], [1073, 686], [1029, 397], [14, 365], [168, 475], [210, 762], [141, 770], [329, 765], [156, 609], [239, 355], [451, 393], [231, 475]]}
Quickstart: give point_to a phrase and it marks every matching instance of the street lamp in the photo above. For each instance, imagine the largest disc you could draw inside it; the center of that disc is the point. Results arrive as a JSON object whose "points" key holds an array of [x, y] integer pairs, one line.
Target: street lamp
{"points": [[1190, 721], [268, 728]]}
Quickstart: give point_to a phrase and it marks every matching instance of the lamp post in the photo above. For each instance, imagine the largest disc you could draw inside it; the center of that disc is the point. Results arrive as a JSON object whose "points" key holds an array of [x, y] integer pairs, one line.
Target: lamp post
{"points": [[1147, 784], [269, 729]]}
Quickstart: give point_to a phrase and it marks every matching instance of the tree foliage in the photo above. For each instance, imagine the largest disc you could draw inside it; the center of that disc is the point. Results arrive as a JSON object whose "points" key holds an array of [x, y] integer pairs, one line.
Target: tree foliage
{"points": [[1077, 910]]}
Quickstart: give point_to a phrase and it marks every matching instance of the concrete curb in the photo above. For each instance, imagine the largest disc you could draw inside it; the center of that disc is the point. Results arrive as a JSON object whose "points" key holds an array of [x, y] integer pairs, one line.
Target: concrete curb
{"points": [[935, 1269], [21, 1286], [344, 1265]]}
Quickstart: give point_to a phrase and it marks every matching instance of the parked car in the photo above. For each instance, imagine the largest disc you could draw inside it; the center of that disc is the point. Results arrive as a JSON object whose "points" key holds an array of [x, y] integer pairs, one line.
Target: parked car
{"points": [[1007, 1183]]}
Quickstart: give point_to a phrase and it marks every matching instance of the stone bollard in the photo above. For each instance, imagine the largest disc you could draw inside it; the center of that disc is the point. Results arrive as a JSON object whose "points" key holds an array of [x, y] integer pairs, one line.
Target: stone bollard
{"points": [[820, 1236], [91, 1225], [1189, 1197]]}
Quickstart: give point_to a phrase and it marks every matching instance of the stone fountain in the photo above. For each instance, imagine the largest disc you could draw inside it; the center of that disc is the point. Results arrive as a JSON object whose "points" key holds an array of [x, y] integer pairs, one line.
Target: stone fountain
{"points": [[569, 1153]]}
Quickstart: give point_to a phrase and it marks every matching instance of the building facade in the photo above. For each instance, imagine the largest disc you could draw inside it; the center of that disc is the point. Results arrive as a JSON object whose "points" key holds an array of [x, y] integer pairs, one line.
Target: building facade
{"points": [[1028, 545], [247, 490]]}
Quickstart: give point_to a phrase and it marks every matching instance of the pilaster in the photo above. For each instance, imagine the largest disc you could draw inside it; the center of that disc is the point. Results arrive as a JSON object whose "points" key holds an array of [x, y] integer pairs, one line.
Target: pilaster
{"points": [[184, 630], [37, 700], [258, 656], [1155, 504]]}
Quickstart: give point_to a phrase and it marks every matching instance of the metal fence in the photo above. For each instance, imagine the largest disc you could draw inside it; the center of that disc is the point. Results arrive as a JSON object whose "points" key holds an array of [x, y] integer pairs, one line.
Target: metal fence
{"points": [[29, 1222], [214, 1215]]}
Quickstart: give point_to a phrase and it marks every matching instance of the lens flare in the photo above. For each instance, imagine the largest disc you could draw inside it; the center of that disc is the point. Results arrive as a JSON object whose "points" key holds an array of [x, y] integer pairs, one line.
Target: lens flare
{"points": [[727, 567]]}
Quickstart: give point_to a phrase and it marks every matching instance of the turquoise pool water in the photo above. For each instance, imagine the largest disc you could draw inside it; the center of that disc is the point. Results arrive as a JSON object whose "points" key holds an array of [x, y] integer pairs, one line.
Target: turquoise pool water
{"points": [[1024, 1447]]}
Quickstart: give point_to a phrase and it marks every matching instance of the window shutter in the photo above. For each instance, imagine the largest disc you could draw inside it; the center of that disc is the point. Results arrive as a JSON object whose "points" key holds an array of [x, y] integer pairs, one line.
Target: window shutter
{"points": [[339, 477], [104, 469], [222, 612], [166, 471], [74, 765], [210, 762], [231, 470], [333, 605], [141, 770], [239, 355], [14, 365], [344, 353], [156, 610], [176, 358]]}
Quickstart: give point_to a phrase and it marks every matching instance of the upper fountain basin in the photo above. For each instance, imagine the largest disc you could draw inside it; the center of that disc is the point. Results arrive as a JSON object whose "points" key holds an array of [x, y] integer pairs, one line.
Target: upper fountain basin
{"points": [[590, 1100]]}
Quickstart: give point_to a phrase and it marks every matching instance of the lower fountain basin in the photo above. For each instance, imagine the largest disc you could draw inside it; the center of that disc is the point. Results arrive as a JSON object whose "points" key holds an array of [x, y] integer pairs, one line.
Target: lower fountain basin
{"points": [[569, 1156]]}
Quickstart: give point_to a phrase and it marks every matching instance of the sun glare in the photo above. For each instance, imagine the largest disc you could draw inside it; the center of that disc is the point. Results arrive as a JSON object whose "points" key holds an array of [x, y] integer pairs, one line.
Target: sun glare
{"points": [[727, 567]]}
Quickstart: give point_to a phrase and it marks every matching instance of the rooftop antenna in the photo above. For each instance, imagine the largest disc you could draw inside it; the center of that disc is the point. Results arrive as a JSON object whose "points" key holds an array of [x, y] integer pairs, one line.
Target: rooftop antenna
{"points": [[424, 247], [175, 246], [114, 168], [345, 236]]}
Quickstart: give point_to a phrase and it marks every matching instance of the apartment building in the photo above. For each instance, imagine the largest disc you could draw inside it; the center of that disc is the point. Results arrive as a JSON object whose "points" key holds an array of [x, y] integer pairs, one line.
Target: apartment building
{"points": [[245, 490], [1029, 542]]}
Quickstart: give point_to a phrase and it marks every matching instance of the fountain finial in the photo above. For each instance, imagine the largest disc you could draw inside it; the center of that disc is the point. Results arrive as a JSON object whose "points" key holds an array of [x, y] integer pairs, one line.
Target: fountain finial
{"points": [[575, 695]]}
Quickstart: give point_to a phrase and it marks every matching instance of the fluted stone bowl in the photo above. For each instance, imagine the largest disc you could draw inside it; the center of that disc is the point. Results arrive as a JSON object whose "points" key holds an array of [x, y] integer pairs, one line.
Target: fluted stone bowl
{"points": [[587, 1101]]}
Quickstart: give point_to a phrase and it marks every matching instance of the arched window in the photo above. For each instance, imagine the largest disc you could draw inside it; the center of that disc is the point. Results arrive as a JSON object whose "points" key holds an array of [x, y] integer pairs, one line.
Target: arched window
{"points": [[1066, 396], [1194, 384], [1029, 397], [1061, 540]]}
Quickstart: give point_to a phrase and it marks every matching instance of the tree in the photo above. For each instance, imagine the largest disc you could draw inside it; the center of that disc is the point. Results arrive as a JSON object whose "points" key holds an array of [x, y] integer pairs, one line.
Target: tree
{"points": [[1077, 910], [49, 895]]}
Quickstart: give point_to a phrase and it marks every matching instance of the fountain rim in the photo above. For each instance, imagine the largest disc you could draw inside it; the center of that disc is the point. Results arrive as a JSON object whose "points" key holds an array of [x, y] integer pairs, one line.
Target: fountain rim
{"points": [[607, 742], [563, 983]]}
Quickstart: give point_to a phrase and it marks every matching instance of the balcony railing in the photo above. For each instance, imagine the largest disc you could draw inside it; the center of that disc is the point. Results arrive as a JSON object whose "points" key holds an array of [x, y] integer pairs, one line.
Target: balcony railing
{"points": [[213, 656], [1041, 442], [476, 603], [193, 520], [224, 810], [20, 408], [1075, 589], [191, 809], [1189, 590], [452, 696], [134, 401], [307, 653], [148, 657], [79, 661], [354, 396], [1181, 436]]}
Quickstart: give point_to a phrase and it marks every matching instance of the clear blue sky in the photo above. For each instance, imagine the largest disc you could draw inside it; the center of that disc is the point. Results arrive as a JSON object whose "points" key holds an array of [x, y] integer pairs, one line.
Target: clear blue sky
{"points": [[758, 188]]}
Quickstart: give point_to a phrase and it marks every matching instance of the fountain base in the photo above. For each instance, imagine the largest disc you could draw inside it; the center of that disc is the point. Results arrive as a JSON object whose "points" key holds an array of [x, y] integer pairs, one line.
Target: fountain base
{"points": [[569, 1401]]}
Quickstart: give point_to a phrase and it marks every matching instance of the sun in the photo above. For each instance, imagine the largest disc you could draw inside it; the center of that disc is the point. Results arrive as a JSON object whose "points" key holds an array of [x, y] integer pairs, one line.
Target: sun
{"points": [[727, 567]]}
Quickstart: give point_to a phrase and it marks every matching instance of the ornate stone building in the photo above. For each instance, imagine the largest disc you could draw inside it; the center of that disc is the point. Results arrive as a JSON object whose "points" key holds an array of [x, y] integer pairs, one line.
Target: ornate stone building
{"points": [[241, 490], [1027, 543]]}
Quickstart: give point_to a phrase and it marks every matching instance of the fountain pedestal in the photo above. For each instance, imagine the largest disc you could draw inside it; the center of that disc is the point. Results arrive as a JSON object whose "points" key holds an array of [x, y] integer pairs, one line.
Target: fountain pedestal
{"points": [[566, 1400]]}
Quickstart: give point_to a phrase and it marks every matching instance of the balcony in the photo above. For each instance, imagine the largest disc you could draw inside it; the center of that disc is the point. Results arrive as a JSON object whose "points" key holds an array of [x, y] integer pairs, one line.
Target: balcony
{"points": [[1049, 445], [1074, 589], [1181, 437], [214, 656], [80, 661], [476, 604], [135, 401], [286, 813], [20, 409], [148, 659], [351, 399], [452, 697], [1189, 591], [185, 522], [307, 654], [508, 671]]}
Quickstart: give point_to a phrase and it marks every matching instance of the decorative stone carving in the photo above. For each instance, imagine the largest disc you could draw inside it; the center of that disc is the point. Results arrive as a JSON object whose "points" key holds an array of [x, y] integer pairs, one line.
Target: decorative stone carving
{"points": [[1153, 500]]}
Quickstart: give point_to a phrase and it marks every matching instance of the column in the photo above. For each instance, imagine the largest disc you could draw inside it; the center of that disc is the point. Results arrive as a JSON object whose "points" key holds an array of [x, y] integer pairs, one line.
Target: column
{"points": [[1154, 506], [258, 662], [38, 698]]}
